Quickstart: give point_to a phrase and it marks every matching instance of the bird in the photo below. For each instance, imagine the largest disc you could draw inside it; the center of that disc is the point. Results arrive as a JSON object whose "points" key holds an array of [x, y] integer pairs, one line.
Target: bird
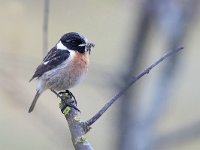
{"points": [[64, 66]]}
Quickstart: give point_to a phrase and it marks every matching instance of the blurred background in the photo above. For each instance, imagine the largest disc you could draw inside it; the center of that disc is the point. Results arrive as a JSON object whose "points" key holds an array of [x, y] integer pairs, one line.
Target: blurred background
{"points": [[160, 112]]}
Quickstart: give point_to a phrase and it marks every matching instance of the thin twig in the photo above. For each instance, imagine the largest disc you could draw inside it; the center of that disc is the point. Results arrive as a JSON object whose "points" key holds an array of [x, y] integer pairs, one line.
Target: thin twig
{"points": [[45, 26], [132, 81]]}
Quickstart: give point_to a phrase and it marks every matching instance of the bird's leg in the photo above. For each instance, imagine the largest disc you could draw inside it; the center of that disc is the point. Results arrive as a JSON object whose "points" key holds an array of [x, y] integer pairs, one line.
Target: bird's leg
{"points": [[70, 94], [66, 103]]}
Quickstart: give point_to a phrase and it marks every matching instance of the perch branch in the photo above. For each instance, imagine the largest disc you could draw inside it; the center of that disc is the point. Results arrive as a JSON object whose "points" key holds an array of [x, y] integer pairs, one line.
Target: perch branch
{"points": [[132, 81], [76, 126]]}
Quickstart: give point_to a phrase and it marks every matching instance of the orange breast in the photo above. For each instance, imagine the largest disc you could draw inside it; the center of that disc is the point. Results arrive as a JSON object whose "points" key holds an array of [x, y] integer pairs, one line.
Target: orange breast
{"points": [[77, 68], [80, 62]]}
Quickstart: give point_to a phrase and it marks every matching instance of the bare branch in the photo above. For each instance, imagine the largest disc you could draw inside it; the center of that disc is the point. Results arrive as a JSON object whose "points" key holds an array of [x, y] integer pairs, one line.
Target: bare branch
{"points": [[131, 82]]}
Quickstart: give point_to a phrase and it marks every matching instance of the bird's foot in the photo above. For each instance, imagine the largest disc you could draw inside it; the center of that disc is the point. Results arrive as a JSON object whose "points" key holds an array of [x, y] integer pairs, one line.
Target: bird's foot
{"points": [[70, 94], [65, 104], [65, 100]]}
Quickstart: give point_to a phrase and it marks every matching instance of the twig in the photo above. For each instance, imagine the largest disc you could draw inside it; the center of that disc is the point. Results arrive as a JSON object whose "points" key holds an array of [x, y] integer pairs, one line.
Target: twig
{"points": [[132, 81], [45, 26]]}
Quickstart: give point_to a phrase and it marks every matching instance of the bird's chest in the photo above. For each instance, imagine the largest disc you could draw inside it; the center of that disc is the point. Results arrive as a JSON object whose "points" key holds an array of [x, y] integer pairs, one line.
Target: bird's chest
{"points": [[74, 71], [77, 67]]}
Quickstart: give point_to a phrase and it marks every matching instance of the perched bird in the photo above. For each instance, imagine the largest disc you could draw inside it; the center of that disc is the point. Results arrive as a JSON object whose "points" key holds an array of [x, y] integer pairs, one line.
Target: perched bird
{"points": [[64, 65]]}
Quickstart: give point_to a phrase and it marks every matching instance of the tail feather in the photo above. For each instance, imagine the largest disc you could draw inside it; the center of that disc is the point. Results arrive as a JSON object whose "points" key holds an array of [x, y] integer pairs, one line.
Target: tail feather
{"points": [[34, 102], [32, 78]]}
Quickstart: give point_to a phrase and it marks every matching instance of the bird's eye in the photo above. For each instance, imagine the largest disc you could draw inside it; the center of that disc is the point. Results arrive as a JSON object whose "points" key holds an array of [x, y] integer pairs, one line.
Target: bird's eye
{"points": [[73, 42]]}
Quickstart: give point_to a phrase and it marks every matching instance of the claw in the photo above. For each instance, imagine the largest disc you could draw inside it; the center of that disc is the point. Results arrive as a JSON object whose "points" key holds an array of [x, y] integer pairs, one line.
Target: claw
{"points": [[66, 103], [70, 94]]}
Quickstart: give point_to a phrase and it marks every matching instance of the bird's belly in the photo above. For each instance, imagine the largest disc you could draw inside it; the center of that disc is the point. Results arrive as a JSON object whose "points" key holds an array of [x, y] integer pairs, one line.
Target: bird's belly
{"points": [[66, 76], [63, 80]]}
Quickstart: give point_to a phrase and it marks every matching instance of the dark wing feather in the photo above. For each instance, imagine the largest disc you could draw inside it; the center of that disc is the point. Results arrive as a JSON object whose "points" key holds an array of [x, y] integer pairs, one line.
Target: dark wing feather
{"points": [[53, 58], [51, 54]]}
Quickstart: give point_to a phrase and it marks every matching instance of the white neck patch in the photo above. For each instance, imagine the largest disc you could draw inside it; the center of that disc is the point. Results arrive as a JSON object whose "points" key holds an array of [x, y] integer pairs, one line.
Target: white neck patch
{"points": [[61, 46]]}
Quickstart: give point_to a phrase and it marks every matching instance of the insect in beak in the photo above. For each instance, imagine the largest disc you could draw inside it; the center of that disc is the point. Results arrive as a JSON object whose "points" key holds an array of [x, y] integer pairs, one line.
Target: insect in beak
{"points": [[89, 46]]}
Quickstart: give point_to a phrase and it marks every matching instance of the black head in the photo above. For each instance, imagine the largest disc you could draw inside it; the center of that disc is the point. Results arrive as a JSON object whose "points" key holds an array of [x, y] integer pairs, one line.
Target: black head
{"points": [[74, 41]]}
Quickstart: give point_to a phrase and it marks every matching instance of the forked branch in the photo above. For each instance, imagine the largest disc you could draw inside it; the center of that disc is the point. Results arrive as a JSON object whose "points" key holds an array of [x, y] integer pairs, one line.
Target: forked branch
{"points": [[128, 85]]}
